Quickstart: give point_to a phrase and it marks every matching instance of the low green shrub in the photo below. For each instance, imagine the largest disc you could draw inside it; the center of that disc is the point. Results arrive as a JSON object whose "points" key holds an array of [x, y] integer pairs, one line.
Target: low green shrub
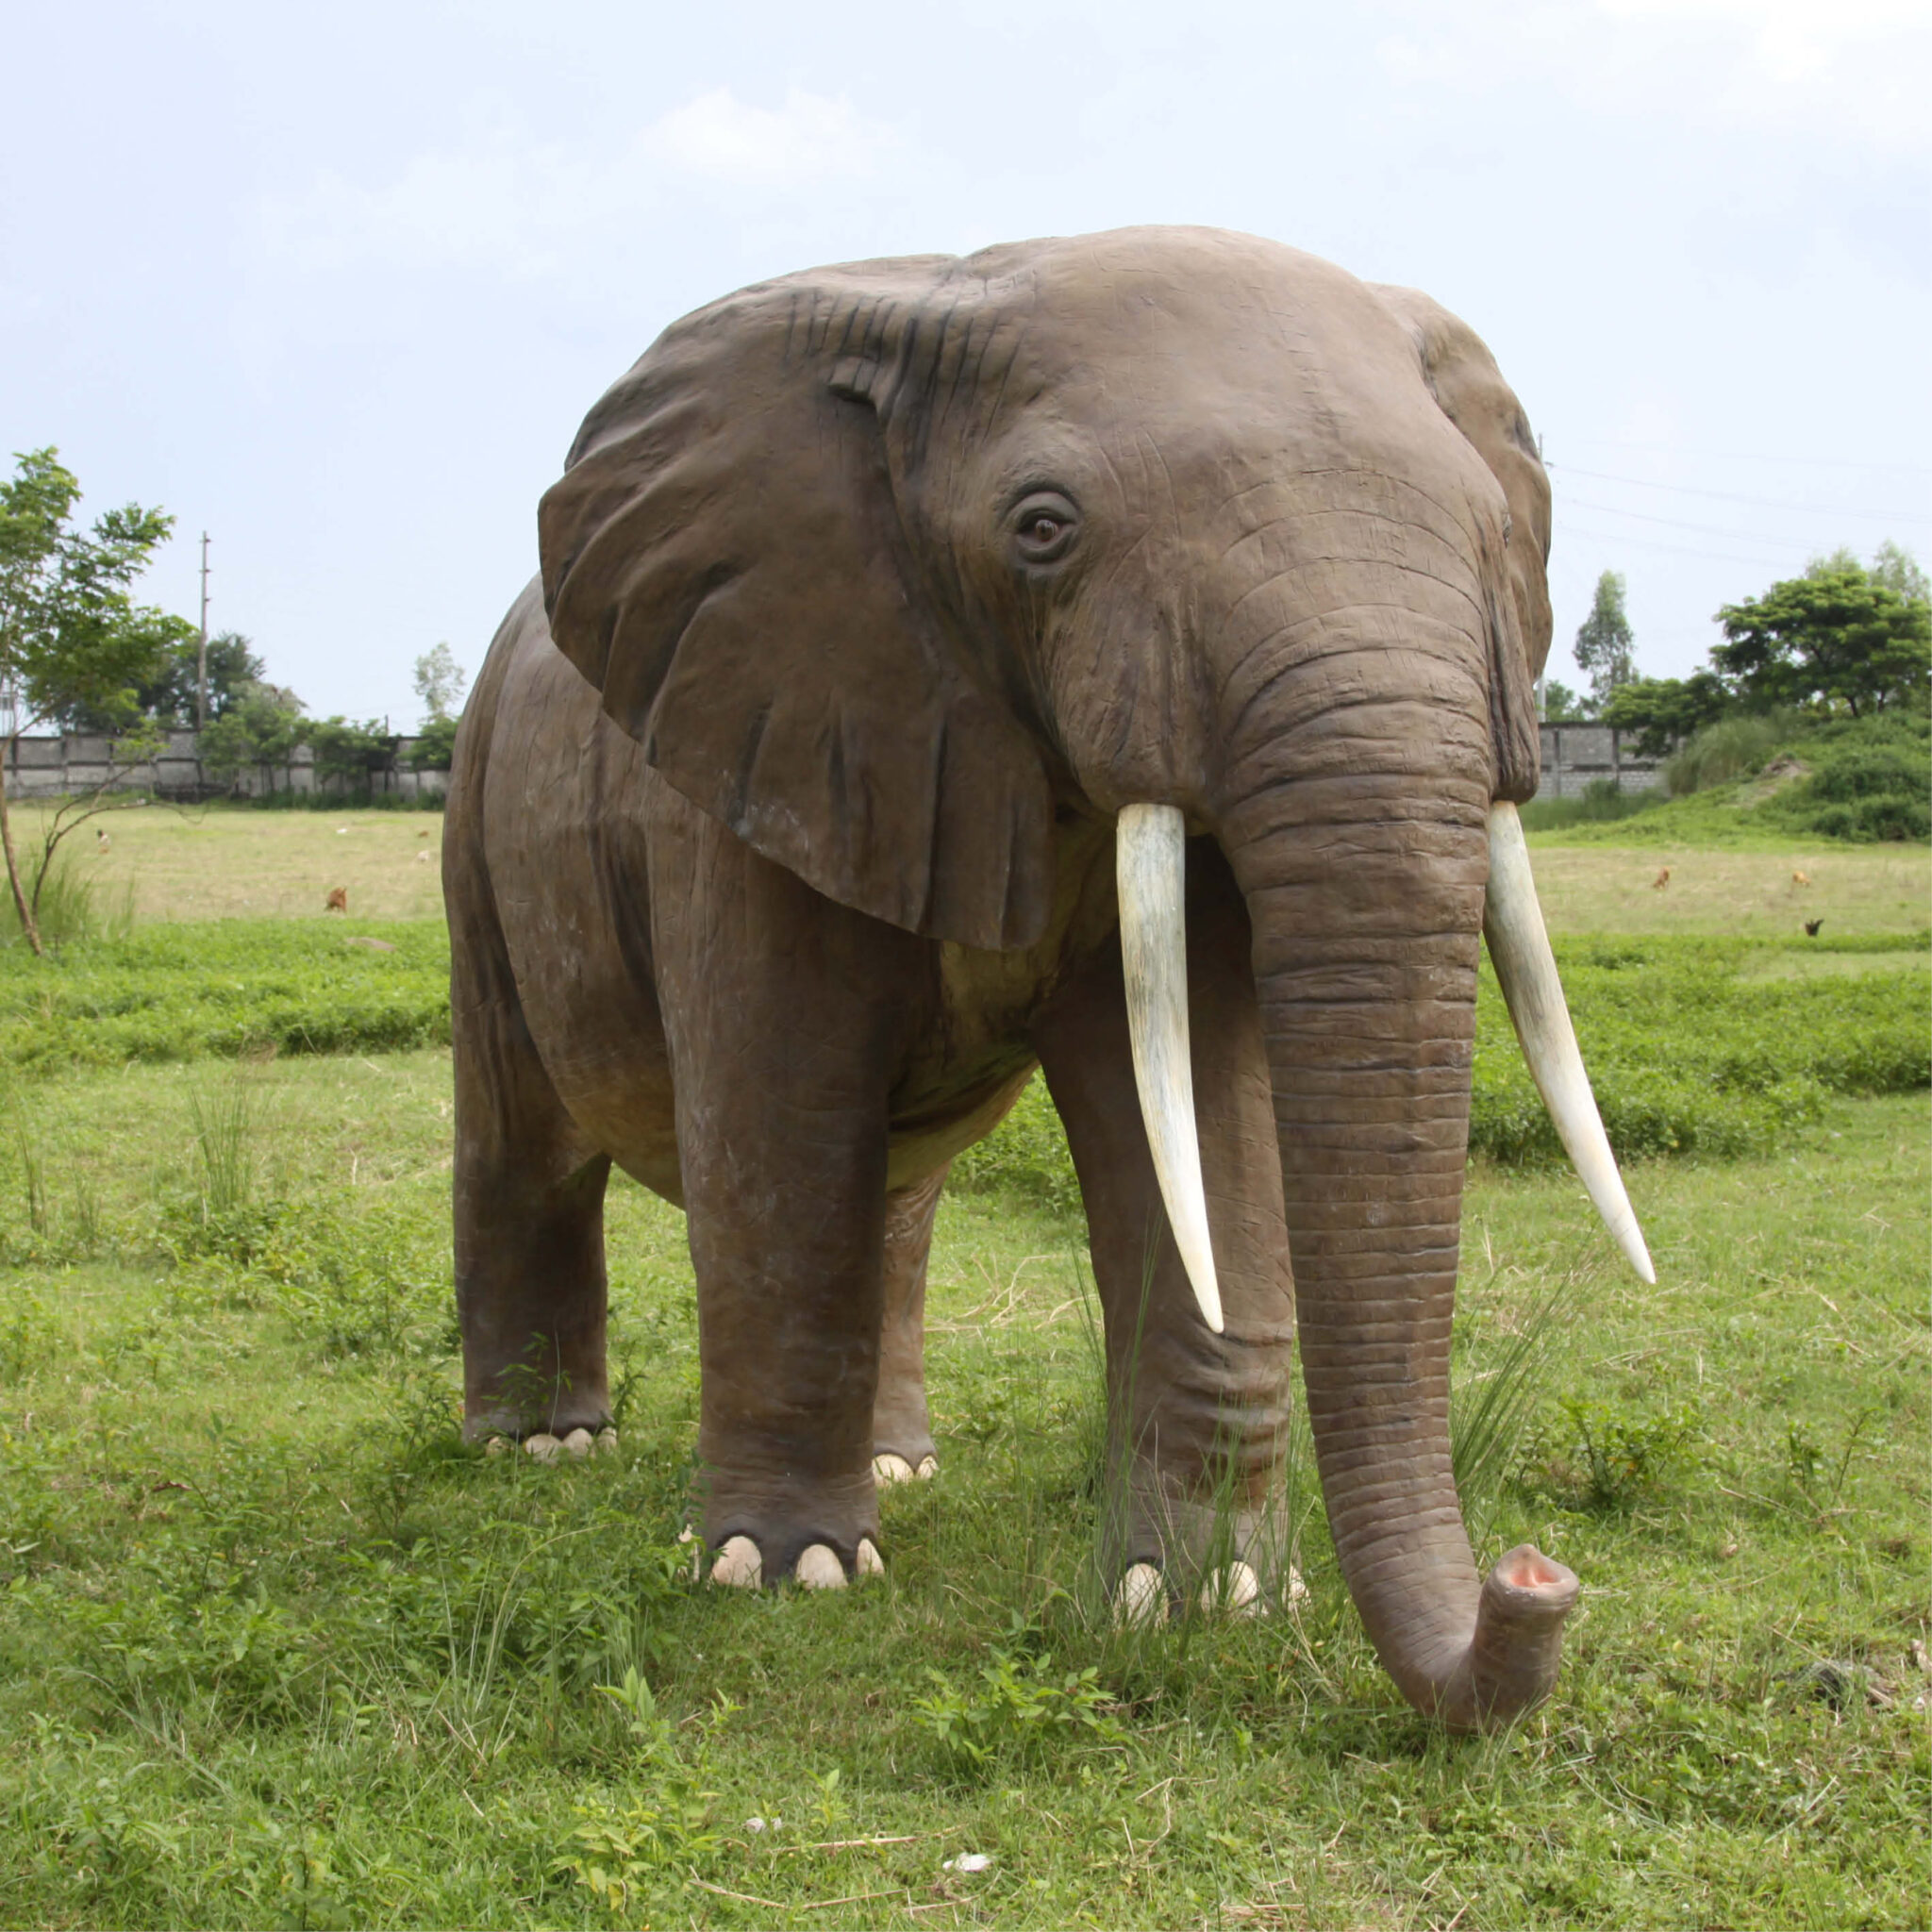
{"points": [[1687, 1059], [224, 988], [1022, 1712], [356, 1281], [1870, 780]]}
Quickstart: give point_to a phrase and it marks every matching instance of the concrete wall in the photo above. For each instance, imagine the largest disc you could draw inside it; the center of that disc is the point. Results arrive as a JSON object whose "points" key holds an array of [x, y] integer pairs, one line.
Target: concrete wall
{"points": [[1576, 756], [77, 761]]}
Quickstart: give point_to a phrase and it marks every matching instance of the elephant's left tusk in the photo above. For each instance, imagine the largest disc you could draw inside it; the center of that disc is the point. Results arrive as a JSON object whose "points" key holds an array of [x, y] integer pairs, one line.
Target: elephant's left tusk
{"points": [[1526, 970], [1150, 867]]}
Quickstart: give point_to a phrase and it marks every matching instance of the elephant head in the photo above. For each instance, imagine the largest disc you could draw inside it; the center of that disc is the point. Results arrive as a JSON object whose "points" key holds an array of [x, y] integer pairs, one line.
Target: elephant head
{"points": [[882, 565]]}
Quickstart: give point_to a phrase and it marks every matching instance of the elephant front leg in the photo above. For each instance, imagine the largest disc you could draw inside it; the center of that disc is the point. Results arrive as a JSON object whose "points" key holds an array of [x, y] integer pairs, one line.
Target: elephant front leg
{"points": [[1196, 1422], [902, 1445], [780, 1013]]}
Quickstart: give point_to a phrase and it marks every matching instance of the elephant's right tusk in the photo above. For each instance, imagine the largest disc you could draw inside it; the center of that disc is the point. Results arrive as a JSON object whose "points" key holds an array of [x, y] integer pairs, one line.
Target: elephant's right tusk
{"points": [[1151, 868], [1526, 970]]}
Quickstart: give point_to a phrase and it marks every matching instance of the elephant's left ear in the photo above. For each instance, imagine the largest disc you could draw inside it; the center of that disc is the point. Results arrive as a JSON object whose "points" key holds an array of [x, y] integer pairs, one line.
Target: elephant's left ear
{"points": [[1463, 379], [724, 559]]}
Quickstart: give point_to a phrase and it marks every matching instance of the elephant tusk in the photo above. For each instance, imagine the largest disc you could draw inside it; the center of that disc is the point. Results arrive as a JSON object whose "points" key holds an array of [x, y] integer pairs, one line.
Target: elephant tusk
{"points": [[1151, 869], [1526, 970]]}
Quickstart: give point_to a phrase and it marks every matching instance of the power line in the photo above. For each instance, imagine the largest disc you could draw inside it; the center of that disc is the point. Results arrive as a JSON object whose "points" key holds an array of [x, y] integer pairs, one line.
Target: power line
{"points": [[1809, 509], [1624, 537], [1678, 523], [1738, 456]]}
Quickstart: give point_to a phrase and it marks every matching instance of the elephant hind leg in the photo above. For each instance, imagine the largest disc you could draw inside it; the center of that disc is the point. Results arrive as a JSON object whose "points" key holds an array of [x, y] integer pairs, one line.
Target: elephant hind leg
{"points": [[528, 1199], [902, 1445]]}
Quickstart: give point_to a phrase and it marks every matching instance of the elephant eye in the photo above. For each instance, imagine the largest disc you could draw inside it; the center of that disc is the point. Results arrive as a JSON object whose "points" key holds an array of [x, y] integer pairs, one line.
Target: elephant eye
{"points": [[1043, 528]]}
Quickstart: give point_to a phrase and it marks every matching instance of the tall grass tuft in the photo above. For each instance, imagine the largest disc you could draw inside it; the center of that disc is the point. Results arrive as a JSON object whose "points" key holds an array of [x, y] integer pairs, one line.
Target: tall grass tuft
{"points": [[33, 1174], [226, 1122], [73, 908], [1732, 748], [1491, 1413]]}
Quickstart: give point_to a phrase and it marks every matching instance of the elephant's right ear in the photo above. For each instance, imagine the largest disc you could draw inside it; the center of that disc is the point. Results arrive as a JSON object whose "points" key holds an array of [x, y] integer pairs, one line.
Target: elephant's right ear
{"points": [[724, 559], [1469, 388]]}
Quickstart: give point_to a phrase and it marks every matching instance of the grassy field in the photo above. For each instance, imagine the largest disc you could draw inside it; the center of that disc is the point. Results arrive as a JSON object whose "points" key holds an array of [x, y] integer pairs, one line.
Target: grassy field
{"points": [[228, 862], [274, 1648], [225, 861]]}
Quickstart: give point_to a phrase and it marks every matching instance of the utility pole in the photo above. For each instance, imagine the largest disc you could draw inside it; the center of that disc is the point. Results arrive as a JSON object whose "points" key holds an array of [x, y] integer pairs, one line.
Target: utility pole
{"points": [[201, 649]]}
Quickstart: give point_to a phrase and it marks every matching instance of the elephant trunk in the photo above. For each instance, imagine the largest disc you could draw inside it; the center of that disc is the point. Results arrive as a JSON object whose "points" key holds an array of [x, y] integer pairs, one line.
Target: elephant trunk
{"points": [[1365, 891]]}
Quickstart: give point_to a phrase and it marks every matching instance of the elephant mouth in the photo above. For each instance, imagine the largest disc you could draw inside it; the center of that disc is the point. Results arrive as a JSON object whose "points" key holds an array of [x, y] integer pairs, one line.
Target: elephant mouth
{"points": [[1151, 864]]}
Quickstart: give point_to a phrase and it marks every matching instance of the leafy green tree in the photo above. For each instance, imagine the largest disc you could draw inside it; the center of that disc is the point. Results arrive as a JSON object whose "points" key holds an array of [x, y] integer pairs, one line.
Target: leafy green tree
{"points": [[171, 695], [1897, 569], [439, 682], [435, 745], [354, 753], [1562, 705], [1663, 711], [259, 726], [72, 638], [1836, 639], [1603, 649]]}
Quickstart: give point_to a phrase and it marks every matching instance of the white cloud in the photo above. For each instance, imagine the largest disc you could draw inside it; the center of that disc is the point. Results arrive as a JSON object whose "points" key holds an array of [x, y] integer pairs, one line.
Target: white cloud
{"points": [[502, 201], [1856, 71], [811, 137]]}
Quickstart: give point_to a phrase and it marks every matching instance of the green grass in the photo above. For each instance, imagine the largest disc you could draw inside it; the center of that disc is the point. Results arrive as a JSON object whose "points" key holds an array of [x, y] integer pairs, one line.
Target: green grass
{"points": [[223, 987], [275, 1648]]}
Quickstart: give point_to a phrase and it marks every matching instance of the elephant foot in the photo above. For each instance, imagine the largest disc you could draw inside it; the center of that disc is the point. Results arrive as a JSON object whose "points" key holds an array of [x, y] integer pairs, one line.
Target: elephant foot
{"points": [[890, 1468], [1143, 1599], [741, 1565], [545, 1447]]}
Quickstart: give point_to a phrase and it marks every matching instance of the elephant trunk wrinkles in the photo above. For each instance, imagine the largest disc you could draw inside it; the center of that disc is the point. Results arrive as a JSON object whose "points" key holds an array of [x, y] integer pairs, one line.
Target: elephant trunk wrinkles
{"points": [[1365, 892]]}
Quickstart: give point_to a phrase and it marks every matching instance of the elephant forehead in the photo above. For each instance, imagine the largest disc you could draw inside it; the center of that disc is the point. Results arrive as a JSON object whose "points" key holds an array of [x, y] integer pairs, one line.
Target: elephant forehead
{"points": [[1211, 362]]}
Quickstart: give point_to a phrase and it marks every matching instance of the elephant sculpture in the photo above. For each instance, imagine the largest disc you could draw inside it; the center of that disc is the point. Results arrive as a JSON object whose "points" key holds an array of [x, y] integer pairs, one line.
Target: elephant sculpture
{"points": [[1113, 655]]}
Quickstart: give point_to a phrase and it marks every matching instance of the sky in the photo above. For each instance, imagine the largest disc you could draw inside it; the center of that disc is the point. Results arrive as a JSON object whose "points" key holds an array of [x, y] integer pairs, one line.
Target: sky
{"points": [[337, 285]]}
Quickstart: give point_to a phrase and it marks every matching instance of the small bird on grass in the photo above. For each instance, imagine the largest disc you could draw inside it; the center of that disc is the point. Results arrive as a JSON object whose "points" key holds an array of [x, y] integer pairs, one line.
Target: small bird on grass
{"points": [[1811, 927], [1661, 880], [1799, 879], [104, 840], [338, 899]]}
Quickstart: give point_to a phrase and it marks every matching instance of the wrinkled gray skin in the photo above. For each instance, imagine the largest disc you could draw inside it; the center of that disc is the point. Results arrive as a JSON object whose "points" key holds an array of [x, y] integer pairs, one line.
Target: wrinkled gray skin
{"points": [[779, 850]]}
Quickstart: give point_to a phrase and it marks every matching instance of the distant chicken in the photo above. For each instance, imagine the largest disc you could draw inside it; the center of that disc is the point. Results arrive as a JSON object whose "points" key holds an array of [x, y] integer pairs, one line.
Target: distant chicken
{"points": [[1798, 878], [1811, 927], [338, 900], [1661, 880], [103, 839]]}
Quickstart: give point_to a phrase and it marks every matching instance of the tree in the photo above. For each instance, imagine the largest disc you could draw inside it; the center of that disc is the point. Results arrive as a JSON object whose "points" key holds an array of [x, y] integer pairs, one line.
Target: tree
{"points": [[351, 752], [169, 695], [439, 682], [1836, 639], [1561, 706], [1897, 569], [435, 745], [259, 726], [1603, 648], [72, 638], [1664, 712]]}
